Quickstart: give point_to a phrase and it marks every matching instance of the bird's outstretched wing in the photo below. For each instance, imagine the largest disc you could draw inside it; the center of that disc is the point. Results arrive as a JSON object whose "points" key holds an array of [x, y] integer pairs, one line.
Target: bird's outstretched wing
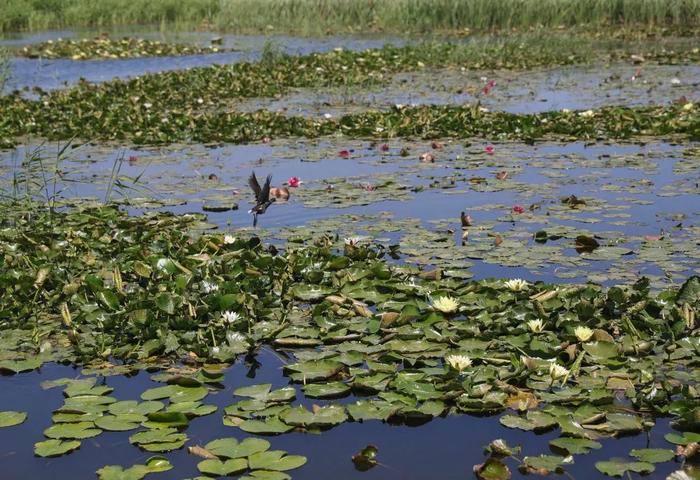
{"points": [[264, 194], [255, 186]]}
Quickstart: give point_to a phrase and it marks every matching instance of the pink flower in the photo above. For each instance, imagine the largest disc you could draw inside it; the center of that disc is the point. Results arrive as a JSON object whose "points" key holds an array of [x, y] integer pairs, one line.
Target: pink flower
{"points": [[294, 182], [518, 209], [368, 187], [266, 140], [344, 154], [133, 159], [488, 87], [489, 149], [384, 147]]}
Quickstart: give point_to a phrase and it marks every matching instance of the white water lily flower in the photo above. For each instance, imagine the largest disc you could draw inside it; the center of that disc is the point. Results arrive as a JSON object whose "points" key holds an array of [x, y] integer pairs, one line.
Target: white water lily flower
{"points": [[236, 337], [586, 114], [458, 362], [209, 287], [162, 263], [229, 239], [675, 81], [353, 241], [327, 116], [230, 317], [535, 326], [516, 284], [583, 333], [565, 110], [215, 350], [556, 371], [445, 304], [147, 105]]}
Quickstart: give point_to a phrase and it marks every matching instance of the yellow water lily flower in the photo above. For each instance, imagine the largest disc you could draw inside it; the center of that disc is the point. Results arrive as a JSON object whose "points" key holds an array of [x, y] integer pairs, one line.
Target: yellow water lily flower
{"points": [[583, 333], [535, 326], [556, 371], [458, 362], [516, 284], [446, 304]]}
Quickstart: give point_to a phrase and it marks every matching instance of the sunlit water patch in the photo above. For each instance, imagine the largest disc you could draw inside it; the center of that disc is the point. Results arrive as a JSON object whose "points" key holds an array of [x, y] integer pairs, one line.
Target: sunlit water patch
{"points": [[632, 205], [447, 447], [574, 88]]}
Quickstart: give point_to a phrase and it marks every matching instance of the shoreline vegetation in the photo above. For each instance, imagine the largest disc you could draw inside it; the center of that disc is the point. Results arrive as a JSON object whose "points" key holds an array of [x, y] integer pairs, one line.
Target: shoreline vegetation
{"points": [[323, 17]]}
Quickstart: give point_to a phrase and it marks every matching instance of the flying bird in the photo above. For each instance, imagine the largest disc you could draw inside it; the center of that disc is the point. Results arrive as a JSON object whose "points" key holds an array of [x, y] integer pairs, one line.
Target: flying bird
{"points": [[262, 196]]}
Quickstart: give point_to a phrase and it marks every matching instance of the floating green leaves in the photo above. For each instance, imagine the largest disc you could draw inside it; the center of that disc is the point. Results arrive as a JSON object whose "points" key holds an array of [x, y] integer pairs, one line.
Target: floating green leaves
{"points": [[11, 418], [618, 467], [135, 472], [159, 440], [55, 448], [106, 48], [79, 430]]}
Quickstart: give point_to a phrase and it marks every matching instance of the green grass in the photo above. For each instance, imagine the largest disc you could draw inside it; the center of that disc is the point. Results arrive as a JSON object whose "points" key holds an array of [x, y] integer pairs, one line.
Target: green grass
{"points": [[342, 16]]}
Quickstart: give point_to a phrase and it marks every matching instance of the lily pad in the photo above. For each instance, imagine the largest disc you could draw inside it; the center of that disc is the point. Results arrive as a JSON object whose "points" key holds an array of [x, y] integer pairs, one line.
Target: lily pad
{"points": [[11, 418], [618, 467], [55, 448]]}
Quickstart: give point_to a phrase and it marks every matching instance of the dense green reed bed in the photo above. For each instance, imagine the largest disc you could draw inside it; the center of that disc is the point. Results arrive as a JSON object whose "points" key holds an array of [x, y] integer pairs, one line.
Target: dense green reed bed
{"points": [[341, 16]]}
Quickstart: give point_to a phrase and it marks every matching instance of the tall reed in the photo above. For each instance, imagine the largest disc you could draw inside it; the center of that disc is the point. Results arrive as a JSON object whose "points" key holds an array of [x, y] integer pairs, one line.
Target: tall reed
{"points": [[342, 16]]}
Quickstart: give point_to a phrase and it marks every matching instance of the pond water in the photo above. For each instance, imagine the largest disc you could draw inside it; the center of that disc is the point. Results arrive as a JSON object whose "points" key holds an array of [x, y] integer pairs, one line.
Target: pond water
{"points": [[637, 200], [445, 448], [51, 74]]}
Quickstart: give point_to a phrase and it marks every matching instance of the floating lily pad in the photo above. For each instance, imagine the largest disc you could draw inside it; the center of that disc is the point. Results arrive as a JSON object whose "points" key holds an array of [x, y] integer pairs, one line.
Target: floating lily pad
{"points": [[618, 467], [11, 418], [55, 448]]}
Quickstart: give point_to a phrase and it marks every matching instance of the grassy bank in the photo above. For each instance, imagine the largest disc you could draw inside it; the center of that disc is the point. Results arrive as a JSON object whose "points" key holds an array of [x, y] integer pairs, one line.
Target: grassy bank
{"points": [[342, 16]]}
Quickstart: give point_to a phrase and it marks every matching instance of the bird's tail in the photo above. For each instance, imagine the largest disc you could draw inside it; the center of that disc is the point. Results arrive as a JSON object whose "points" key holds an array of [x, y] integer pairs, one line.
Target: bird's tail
{"points": [[255, 220]]}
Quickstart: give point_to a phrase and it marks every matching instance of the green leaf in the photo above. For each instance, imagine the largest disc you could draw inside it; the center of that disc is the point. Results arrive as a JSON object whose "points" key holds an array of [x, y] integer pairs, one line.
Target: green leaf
{"points": [[575, 445], [323, 417], [221, 469], [11, 418], [78, 430], [231, 448], [119, 423], [653, 455], [166, 419], [54, 448], [492, 469], [134, 407], [269, 426], [616, 467], [276, 460]]}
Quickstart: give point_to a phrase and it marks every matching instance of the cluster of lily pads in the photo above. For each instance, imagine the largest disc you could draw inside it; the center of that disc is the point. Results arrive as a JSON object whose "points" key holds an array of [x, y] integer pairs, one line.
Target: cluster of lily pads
{"points": [[96, 284], [107, 48], [89, 410], [196, 104]]}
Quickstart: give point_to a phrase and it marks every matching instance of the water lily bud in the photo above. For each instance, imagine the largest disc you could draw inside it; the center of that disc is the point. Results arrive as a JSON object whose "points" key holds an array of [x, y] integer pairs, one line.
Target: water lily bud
{"points": [[557, 371]]}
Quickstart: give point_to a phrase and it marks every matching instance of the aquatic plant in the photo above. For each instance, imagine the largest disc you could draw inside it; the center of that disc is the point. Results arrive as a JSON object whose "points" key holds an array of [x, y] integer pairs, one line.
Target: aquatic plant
{"points": [[104, 47]]}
